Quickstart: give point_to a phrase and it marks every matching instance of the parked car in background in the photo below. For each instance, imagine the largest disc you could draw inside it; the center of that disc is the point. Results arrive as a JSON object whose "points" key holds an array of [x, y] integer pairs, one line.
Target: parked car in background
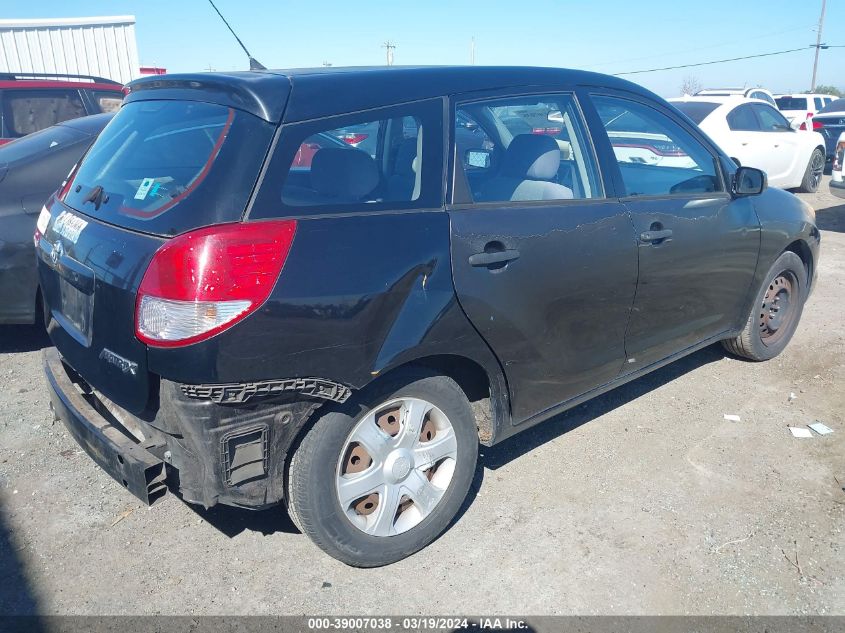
{"points": [[31, 102], [748, 93], [830, 123], [837, 178], [798, 108], [31, 169], [754, 133], [253, 334]]}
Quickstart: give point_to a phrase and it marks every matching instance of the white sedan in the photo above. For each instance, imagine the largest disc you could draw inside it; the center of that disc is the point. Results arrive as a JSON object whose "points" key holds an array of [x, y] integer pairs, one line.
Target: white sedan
{"points": [[755, 134]]}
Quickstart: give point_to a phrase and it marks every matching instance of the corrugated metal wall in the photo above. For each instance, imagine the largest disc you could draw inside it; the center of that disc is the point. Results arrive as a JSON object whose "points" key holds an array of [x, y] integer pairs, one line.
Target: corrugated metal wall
{"points": [[102, 46]]}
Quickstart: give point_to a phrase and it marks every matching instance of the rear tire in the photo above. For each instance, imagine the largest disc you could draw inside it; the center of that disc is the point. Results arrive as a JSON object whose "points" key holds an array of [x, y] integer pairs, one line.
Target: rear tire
{"points": [[411, 493], [813, 175], [776, 312]]}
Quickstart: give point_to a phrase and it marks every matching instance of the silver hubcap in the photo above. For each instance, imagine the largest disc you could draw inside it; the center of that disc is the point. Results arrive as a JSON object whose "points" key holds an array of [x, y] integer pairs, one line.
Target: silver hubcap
{"points": [[395, 466], [817, 168]]}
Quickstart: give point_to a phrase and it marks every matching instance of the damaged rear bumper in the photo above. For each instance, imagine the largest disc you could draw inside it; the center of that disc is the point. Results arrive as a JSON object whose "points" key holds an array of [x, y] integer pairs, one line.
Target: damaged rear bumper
{"points": [[225, 443], [129, 462]]}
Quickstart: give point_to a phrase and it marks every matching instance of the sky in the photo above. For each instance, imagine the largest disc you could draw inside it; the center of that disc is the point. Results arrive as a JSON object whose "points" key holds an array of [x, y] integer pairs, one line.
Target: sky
{"points": [[609, 36]]}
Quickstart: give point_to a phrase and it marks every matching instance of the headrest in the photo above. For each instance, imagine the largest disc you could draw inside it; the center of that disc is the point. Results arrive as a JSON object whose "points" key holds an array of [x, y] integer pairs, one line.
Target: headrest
{"points": [[343, 173], [532, 157], [405, 157]]}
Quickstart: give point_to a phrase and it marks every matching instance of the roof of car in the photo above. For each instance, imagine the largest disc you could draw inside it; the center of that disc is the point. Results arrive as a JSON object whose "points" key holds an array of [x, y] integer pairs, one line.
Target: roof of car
{"points": [[319, 92], [731, 100], [92, 124]]}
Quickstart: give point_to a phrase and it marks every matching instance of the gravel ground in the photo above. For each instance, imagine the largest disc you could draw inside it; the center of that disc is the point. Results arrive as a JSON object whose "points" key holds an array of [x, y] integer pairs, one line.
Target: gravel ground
{"points": [[643, 501]]}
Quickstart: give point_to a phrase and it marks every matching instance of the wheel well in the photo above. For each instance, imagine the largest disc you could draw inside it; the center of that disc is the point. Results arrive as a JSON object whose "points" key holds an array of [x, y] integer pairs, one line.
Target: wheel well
{"points": [[473, 381], [800, 248]]}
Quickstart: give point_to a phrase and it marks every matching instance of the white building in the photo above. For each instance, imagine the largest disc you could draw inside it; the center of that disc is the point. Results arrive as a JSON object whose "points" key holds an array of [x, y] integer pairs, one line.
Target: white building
{"points": [[100, 46]]}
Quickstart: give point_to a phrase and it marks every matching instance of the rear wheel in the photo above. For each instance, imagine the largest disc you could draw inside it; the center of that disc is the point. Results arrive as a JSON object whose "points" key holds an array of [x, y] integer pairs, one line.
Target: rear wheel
{"points": [[381, 480], [813, 175], [776, 311]]}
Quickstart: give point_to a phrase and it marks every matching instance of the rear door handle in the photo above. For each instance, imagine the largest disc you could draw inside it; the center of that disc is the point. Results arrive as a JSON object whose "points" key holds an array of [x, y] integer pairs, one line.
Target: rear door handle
{"points": [[656, 236], [495, 257]]}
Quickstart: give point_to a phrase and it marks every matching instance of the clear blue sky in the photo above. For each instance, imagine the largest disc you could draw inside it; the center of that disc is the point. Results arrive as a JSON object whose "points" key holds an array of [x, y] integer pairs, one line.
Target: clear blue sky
{"points": [[604, 35]]}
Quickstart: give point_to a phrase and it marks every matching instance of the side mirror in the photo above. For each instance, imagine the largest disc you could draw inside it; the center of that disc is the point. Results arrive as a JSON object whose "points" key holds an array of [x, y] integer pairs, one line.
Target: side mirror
{"points": [[749, 181], [478, 158]]}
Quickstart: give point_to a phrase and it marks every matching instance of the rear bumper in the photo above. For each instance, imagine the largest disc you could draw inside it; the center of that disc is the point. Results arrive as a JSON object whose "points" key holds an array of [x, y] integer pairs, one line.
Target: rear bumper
{"points": [[119, 454]]}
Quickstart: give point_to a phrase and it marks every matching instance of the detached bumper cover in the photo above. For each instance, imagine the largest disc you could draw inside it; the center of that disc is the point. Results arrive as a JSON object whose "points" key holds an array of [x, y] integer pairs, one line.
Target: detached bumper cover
{"points": [[117, 453]]}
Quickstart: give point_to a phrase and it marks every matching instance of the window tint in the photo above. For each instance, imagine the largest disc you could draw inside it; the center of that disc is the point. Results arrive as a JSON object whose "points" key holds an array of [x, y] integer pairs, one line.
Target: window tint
{"points": [[656, 156], [383, 159], [169, 166], [27, 111], [696, 110], [742, 119], [107, 100], [40, 143], [791, 103], [819, 103], [525, 149], [770, 119]]}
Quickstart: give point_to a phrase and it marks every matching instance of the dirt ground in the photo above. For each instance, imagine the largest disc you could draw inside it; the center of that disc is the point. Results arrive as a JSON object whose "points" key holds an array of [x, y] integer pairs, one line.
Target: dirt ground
{"points": [[643, 501]]}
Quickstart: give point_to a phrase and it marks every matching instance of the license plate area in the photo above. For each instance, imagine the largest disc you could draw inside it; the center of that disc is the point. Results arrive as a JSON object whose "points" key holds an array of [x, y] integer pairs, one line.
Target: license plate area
{"points": [[75, 311]]}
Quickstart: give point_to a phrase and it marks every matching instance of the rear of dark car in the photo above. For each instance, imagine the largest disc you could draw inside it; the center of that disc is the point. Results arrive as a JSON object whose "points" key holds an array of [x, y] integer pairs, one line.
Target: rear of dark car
{"points": [[163, 167], [830, 123]]}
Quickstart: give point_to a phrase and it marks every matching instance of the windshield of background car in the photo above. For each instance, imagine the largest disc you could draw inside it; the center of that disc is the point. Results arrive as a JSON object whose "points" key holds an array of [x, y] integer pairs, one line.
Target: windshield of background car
{"points": [[166, 167], [836, 106], [39, 143], [696, 110], [791, 103]]}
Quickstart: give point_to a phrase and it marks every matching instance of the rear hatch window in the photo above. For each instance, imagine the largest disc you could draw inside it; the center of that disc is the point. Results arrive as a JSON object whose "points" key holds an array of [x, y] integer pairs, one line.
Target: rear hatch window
{"points": [[166, 167], [696, 110], [791, 103]]}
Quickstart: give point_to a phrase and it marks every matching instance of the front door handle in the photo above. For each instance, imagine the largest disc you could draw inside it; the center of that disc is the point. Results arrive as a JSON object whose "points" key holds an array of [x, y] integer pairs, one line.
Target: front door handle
{"points": [[655, 236], [493, 258]]}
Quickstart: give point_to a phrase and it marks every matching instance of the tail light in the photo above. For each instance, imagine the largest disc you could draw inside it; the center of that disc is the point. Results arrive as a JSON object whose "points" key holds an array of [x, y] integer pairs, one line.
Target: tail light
{"points": [[353, 139], [203, 282], [550, 131], [817, 125], [41, 225]]}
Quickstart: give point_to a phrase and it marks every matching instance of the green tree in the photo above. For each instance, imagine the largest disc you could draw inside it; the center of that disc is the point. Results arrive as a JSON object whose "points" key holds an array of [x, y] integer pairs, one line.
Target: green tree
{"points": [[828, 90]]}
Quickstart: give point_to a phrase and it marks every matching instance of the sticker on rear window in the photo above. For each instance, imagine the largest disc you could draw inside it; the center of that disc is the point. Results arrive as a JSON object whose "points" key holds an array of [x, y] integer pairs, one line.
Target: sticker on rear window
{"points": [[69, 226], [144, 188]]}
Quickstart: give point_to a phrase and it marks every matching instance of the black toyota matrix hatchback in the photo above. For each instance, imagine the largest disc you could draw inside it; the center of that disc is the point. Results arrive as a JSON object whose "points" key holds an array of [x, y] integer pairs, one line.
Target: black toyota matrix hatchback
{"points": [[306, 287]]}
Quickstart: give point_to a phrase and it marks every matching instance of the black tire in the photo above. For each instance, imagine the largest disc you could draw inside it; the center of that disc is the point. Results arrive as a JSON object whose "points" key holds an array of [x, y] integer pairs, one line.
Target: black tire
{"points": [[773, 321], [813, 174], [312, 499]]}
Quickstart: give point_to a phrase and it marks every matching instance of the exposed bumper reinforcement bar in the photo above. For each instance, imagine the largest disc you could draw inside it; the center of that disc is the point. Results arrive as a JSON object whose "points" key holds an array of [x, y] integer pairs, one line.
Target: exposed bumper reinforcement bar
{"points": [[117, 453]]}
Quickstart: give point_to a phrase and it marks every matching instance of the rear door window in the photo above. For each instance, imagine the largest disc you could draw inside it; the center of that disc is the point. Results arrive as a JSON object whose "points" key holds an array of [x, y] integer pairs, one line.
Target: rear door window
{"points": [[742, 119], [169, 166], [390, 158], [28, 111]]}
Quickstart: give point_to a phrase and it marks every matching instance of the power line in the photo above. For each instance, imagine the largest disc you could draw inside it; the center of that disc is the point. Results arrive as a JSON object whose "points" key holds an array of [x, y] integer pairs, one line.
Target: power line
{"points": [[716, 61]]}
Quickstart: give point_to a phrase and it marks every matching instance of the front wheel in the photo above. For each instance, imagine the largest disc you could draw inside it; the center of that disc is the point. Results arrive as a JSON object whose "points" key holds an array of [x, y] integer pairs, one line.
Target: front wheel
{"points": [[776, 311], [382, 479], [813, 175]]}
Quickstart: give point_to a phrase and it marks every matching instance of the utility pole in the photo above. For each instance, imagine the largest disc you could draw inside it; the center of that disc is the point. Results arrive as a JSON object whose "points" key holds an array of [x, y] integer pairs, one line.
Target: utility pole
{"points": [[818, 47], [326, 64], [389, 46], [472, 52]]}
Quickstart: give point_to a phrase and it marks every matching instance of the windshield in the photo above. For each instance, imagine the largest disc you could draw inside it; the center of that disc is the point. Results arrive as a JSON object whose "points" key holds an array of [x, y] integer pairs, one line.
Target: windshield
{"points": [[696, 110], [791, 103], [169, 166], [35, 144]]}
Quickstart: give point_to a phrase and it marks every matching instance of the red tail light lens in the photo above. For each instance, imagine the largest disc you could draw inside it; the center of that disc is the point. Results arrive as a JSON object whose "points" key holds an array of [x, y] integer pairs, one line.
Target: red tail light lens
{"points": [[203, 282], [353, 139], [817, 125]]}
